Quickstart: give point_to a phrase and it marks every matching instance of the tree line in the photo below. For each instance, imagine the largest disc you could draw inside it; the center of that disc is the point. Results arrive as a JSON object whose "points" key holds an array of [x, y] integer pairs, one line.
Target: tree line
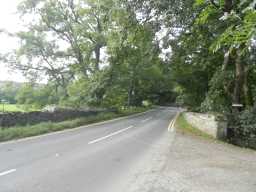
{"points": [[112, 52], [91, 53]]}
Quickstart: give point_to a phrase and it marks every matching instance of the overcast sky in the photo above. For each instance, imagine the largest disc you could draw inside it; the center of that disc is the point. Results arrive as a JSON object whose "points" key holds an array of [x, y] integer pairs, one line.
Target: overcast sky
{"points": [[10, 22]]}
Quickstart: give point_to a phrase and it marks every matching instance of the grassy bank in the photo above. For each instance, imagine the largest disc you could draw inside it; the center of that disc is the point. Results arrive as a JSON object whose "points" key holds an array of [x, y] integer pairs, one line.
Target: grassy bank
{"points": [[184, 127], [18, 132]]}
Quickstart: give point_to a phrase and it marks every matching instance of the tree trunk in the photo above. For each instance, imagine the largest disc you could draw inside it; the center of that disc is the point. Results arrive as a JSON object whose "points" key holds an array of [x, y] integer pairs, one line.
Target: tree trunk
{"points": [[97, 57], [226, 62], [228, 6], [239, 79], [130, 96], [131, 92], [99, 44], [248, 99], [129, 100]]}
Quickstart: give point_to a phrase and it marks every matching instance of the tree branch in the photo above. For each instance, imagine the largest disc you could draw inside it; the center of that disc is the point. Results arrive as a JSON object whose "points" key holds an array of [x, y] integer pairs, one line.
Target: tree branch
{"points": [[214, 4]]}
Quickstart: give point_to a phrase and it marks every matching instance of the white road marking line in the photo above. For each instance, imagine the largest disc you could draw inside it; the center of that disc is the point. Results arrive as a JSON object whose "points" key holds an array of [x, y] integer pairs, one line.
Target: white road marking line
{"points": [[145, 120], [7, 172], [110, 135]]}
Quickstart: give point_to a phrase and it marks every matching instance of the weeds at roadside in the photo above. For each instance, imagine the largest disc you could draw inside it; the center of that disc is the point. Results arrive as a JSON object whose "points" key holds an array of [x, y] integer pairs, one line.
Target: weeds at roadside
{"points": [[184, 127]]}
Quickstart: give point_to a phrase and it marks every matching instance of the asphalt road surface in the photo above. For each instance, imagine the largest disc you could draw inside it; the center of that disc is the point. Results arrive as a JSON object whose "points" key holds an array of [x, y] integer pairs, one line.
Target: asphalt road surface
{"points": [[96, 158]]}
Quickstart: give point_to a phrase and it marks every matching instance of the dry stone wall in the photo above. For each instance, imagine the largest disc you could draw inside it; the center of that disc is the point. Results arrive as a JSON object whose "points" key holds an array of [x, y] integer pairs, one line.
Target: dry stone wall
{"points": [[208, 123], [18, 118]]}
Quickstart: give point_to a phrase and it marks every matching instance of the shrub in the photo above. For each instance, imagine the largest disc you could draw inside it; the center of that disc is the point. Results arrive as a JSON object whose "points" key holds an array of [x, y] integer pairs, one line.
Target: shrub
{"points": [[244, 123], [242, 129]]}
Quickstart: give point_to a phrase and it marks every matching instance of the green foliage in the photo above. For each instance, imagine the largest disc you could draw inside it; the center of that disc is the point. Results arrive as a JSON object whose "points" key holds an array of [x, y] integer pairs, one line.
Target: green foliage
{"points": [[211, 57], [67, 44], [115, 97], [247, 122], [206, 15], [25, 94], [36, 96], [217, 98], [136, 66], [240, 32], [108, 53], [199, 2], [8, 91], [243, 126]]}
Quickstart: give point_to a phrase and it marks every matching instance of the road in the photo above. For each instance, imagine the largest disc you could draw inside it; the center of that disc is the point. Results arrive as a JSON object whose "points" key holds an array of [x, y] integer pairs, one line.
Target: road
{"points": [[98, 158]]}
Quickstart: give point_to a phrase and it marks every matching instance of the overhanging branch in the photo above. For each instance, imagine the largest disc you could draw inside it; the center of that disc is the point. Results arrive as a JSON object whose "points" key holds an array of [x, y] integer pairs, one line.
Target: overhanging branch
{"points": [[214, 4]]}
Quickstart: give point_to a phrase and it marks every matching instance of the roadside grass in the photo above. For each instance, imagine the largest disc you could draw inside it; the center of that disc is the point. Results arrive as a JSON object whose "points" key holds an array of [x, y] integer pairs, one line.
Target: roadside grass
{"points": [[184, 127], [18, 132]]}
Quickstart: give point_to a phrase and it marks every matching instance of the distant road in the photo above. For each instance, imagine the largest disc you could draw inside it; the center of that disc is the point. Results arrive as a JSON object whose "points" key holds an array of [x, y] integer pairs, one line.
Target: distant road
{"points": [[97, 158]]}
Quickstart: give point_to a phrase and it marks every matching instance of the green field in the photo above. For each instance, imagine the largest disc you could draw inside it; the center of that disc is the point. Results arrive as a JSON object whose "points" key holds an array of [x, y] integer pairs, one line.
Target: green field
{"points": [[16, 108]]}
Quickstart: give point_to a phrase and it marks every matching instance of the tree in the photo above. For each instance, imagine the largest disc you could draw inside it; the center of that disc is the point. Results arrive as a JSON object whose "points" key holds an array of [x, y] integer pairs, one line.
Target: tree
{"points": [[235, 39], [8, 92], [37, 95], [67, 41], [25, 95], [132, 52]]}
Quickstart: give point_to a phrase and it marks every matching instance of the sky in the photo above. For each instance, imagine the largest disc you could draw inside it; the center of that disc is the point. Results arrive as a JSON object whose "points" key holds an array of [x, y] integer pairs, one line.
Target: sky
{"points": [[9, 21]]}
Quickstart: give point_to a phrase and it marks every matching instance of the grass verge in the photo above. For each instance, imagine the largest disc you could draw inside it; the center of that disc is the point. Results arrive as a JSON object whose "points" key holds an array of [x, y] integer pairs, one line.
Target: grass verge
{"points": [[183, 126], [18, 132]]}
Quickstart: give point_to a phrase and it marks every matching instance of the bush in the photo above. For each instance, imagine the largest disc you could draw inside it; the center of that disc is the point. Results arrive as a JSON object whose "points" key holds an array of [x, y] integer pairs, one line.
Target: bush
{"points": [[244, 124], [242, 129]]}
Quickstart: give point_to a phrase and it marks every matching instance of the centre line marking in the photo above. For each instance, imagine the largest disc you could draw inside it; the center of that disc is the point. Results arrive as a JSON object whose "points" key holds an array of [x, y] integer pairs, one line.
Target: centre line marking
{"points": [[145, 120], [7, 172], [110, 135], [171, 127]]}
